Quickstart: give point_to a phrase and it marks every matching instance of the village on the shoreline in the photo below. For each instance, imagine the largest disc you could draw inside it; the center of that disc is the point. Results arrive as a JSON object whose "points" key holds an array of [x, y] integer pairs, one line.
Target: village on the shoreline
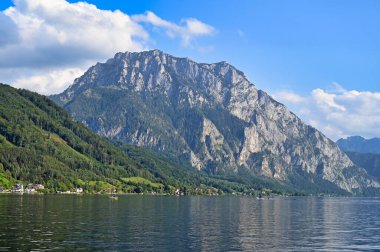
{"points": [[34, 188]]}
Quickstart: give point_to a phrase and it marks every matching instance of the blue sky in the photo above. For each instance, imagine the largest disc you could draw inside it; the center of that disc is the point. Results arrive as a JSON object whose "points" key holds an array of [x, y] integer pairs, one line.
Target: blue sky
{"points": [[321, 58], [300, 44]]}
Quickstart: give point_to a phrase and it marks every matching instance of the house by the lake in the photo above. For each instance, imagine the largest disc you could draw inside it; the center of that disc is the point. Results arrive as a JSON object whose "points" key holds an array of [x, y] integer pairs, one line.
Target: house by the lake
{"points": [[18, 188], [32, 188], [79, 190]]}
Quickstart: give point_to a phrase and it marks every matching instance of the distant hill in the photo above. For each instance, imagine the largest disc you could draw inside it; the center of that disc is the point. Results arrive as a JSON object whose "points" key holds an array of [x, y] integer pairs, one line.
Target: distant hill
{"points": [[359, 144]]}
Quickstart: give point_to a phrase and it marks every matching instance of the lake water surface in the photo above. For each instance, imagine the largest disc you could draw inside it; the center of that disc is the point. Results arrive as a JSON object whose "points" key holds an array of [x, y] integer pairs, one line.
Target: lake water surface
{"points": [[188, 223]]}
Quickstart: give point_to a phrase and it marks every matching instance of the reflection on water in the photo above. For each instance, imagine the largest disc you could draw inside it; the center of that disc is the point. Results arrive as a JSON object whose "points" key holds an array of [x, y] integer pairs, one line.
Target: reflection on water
{"points": [[155, 223]]}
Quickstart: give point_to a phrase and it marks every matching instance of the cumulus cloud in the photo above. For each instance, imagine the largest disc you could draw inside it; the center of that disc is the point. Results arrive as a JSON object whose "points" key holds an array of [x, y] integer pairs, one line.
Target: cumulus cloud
{"points": [[60, 33], [58, 36], [289, 97], [326, 101], [8, 30], [49, 82], [338, 113], [189, 28]]}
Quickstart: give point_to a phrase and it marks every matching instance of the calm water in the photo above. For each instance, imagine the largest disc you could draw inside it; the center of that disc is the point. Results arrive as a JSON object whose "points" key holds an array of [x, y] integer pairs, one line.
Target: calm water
{"points": [[160, 223]]}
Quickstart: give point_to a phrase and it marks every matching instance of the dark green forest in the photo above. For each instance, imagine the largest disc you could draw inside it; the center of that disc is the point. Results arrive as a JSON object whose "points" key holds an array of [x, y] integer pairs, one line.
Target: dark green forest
{"points": [[40, 143]]}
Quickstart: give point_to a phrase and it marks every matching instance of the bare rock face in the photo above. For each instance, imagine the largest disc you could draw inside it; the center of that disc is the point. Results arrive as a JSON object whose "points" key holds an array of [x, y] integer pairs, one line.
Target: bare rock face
{"points": [[208, 114]]}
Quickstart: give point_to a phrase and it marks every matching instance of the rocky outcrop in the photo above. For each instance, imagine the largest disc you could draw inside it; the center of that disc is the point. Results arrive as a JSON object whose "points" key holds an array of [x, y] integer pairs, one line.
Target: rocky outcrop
{"points": [[208, 114]]}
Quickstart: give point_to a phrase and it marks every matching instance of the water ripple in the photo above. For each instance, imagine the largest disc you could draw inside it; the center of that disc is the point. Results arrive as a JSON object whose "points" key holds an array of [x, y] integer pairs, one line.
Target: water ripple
{"points": [[154, 223]]}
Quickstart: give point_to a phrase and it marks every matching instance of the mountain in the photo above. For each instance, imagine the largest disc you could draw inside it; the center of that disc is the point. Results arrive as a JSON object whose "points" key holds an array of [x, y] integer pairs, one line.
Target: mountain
{"points": [[363, 152], [40, 143], [359, 144], [369, 161], [209, 116]]}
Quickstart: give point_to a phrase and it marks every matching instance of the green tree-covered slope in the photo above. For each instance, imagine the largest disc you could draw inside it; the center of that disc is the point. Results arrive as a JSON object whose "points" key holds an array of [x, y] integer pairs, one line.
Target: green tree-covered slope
{"points": [[40, 143]]}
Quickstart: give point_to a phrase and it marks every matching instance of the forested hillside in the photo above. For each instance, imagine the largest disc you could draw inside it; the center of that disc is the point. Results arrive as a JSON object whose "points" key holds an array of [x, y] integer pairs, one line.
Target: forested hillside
{"points": [[40, 143]]}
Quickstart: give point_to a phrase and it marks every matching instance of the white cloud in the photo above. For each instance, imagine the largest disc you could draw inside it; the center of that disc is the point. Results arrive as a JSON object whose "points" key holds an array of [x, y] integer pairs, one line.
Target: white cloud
{"points": [[59, 33], [189, 29], [8, 31], [325, 100], [289, 97], [338, 113], [49, 82], [58, 36]]}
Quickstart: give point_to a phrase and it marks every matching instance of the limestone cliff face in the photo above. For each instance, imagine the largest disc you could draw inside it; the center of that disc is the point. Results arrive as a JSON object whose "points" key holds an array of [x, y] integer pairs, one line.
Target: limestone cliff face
{"points": [[208, 114]]}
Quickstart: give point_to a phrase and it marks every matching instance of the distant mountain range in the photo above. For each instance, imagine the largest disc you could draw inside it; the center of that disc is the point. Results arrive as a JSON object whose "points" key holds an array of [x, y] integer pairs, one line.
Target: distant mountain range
{"points": [[359, 144], [208, 116], [369, 161], [363, 152]]}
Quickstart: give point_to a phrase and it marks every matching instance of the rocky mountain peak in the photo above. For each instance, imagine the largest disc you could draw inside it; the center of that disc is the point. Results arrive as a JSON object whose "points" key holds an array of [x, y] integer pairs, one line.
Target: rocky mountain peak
{"points": [[208, 114]]}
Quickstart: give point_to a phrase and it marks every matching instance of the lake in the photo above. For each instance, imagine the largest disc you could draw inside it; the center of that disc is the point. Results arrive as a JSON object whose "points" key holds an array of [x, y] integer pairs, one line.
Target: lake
{"points": [[187, 223]]}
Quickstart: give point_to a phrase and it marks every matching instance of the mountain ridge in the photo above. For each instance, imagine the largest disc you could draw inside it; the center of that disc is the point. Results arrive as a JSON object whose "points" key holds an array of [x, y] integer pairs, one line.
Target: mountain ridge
{"points": [[207, 114], [359, 144], [369, 161]]}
